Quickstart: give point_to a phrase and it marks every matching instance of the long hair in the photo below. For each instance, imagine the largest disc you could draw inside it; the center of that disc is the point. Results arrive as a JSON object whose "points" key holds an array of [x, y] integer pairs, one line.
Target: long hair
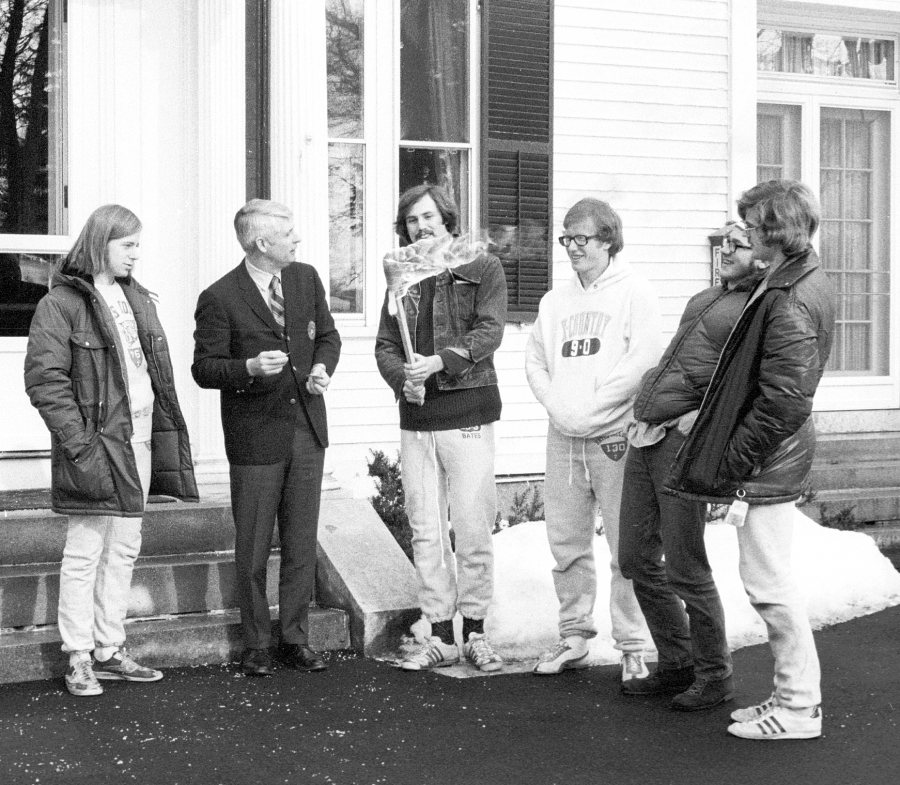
{"points": [[88, 255], [442, 200], [788, 213], [607, 221]]}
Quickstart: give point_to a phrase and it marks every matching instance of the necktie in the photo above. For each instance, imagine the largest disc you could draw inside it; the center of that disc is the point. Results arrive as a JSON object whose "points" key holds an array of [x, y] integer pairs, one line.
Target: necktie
{"points": [[276, 301]]}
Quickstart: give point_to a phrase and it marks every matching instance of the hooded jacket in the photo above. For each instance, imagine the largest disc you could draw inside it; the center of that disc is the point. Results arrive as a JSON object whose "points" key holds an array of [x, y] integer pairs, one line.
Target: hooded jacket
{"points": [[589, 348], [754, 432], [75, 376]]}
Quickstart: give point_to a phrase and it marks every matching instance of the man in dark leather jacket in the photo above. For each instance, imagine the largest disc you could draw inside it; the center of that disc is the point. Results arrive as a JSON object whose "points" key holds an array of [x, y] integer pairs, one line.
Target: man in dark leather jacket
{"points": [[753, 442]]}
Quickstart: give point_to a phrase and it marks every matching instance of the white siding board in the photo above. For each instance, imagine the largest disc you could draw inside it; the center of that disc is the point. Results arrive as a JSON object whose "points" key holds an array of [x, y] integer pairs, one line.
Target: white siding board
{"points": [[639, 129], [615, 20], [661, 12], [611, 55]]}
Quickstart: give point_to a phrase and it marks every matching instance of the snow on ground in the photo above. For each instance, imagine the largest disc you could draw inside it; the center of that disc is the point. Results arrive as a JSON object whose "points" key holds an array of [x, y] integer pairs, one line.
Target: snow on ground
{"points": [[842, 574]]}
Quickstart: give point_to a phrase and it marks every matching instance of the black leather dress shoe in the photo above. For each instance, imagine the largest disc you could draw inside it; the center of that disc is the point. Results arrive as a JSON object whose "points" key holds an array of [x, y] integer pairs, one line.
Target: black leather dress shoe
{"points": [[301, 658], [257, 662]]}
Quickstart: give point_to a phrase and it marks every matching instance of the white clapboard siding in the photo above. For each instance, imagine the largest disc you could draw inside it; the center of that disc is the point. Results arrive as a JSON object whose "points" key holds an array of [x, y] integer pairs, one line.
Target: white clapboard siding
{"points": [[640, 118]]}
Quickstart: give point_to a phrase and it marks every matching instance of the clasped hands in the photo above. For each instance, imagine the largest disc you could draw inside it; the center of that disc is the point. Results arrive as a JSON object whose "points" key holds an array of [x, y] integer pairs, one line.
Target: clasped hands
{"points": [[271, 363], [417, 372]]}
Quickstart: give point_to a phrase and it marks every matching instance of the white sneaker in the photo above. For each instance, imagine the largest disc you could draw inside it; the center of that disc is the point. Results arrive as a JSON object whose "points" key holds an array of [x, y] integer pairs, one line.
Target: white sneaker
{"points": [[568, 653], [80, 678], [751, 713], [633, 666], [781, 723], [434, 654], [478, 651]]}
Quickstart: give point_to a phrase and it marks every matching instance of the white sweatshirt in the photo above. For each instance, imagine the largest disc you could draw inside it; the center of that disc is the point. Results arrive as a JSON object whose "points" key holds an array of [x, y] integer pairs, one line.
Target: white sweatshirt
{"points": [[589, 349]]}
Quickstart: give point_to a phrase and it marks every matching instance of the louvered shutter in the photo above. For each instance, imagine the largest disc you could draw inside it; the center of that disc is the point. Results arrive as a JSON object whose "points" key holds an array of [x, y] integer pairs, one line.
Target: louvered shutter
{"points": [[517, 132]]}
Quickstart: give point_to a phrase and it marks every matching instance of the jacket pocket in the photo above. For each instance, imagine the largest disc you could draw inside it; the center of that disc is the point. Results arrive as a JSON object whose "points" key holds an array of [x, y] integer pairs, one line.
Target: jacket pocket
{"points": [[85, 475]]}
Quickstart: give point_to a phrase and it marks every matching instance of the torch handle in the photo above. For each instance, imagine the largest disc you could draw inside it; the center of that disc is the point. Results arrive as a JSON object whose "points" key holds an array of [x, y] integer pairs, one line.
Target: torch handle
{"points": [[404, 328]]}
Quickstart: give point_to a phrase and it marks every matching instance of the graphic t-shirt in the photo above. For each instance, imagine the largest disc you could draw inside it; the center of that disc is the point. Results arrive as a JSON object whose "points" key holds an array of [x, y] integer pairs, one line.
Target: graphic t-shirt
{"points": [[140, 389]]}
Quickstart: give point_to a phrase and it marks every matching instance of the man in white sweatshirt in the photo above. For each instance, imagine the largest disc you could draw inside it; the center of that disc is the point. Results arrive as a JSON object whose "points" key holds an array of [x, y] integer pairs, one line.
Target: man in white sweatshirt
{"points": [[594, 338]]}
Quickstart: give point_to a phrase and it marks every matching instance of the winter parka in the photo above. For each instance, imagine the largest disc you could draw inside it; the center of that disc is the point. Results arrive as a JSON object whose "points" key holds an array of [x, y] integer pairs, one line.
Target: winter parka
{"points": [[754, 432], [677, 384], [75, 376]]}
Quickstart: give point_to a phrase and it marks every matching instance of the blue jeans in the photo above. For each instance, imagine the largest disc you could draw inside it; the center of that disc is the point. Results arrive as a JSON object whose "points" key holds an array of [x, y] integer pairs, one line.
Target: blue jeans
{"points": [[653, 523]]}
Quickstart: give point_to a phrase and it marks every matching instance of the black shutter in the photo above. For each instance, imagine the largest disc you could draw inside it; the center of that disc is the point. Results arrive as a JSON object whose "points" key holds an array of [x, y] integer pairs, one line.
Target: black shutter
{"points": [[517, 133]]}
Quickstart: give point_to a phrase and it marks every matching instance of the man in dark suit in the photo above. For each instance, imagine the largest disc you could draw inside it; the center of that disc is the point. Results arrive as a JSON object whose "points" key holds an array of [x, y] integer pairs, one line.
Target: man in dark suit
{"points": [[265, 338]]}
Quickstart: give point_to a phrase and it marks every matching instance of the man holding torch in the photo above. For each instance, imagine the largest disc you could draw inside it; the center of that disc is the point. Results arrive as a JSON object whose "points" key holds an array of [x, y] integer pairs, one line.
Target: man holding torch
{"points": [[435, 349]]}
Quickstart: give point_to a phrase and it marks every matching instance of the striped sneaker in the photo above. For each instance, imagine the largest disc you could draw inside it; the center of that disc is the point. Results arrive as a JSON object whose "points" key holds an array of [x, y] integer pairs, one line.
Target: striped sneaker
{"points": [[434, 654], [120, 667], [479, 653], [781, 723], [633, 666], [751, 713], [80, 678]]}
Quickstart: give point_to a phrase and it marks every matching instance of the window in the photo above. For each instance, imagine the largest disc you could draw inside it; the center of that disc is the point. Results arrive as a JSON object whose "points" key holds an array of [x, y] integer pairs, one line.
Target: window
{"points": [[854, 234], [821, 54], [835, 133], [344, 30], [435, 144], [778, 142], [32, 153]]}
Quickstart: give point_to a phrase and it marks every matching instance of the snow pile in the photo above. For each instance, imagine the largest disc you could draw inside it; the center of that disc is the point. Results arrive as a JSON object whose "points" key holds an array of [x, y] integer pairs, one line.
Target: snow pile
{"points": [[842, 574]]}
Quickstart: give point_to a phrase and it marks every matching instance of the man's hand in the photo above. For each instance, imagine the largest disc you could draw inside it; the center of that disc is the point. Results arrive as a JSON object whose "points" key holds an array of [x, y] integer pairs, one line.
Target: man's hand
{"points": [[421, 368], [414, 393], [318, 380], [267, 363]]}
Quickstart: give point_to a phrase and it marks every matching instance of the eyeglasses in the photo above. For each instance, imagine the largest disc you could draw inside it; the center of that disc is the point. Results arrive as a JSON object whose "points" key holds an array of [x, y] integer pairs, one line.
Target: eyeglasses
{"points": [[729, 246], [580, 240]]}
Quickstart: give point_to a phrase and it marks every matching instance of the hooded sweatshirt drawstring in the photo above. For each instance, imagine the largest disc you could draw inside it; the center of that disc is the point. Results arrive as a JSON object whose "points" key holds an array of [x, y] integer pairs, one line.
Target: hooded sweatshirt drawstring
{"points": [[587, 473]]}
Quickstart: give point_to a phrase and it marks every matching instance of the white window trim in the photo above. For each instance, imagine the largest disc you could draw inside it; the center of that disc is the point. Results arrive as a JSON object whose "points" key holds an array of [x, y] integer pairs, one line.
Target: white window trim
{"points": [[843, 393]]}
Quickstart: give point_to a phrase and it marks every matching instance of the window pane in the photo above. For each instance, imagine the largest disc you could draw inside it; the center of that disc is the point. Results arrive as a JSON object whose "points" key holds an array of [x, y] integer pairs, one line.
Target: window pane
{"points": [[344, 48], [31, 104], [23, 281], [446, 168], [855, 235], [434, 71], [346, 230], [853, 57], [777, 142]]}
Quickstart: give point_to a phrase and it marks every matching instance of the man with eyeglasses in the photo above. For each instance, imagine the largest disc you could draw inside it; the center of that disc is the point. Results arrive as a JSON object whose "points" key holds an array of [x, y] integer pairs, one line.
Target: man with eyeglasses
{"points": [[594, 338], [694, 660], [753, 442]]}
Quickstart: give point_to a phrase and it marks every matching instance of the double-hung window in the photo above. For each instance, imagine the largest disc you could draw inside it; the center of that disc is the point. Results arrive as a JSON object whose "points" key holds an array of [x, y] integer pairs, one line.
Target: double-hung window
{"points": [[32, 156], [828, 115]]}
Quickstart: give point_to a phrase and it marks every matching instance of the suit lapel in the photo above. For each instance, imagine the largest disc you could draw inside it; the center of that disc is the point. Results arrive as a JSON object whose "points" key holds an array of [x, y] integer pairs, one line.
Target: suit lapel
{"points": [[253, 297], [293, 295]]}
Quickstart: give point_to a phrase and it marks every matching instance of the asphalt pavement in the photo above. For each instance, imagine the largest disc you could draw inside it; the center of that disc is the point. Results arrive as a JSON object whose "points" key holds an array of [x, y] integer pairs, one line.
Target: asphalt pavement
{"points": [[365, 722]]}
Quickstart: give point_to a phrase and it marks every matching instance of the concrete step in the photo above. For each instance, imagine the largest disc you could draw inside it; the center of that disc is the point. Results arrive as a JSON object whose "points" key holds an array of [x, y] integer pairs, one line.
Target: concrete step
{"points": [[867, 505], [859, 474], [189, 639], [161, 585], [36, 536], [852, 448]]}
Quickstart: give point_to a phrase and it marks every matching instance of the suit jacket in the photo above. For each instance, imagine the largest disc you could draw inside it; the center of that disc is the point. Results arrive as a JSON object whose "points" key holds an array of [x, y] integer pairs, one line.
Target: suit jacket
{"points": [[234, 323]]}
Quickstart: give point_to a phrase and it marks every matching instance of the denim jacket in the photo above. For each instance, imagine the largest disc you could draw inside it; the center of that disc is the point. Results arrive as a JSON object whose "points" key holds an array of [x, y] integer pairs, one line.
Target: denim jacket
{"points": [[468, 320]]}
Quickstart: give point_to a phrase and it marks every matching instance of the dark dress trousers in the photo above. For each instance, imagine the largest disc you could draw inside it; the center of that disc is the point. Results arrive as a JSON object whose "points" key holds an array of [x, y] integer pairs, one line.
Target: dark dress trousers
{"points": [[275, 434]]}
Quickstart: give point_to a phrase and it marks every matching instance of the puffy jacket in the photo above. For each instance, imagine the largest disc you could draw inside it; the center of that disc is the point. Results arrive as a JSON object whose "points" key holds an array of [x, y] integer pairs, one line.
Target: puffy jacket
{"points": [[677, 384], [468, 320], [75, 376], [754, 432]]}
